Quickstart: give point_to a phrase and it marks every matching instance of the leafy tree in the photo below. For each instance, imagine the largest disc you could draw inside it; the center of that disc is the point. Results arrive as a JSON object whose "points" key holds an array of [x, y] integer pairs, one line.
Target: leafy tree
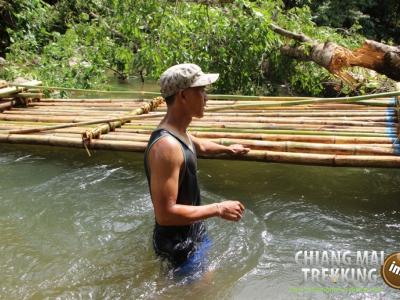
{"points": [[75, 43], [376, 19]]}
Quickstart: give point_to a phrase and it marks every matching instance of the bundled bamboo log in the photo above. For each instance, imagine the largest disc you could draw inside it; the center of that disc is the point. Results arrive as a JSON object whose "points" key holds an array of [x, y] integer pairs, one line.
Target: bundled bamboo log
{"points": [[14, 89], [9, 91], [286, 146], [257, 155], [294, 130], [7, 105], [111, 125], [122, 119], [309, 146]]}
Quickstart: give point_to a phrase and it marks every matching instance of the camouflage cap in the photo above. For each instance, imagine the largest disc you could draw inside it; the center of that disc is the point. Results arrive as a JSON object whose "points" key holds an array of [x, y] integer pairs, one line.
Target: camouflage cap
{"points": [[183, 76]]}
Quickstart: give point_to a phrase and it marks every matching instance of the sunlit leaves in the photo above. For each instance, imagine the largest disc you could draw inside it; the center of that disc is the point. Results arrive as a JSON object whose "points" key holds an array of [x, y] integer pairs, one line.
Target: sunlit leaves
{"points": [[74, 43]]}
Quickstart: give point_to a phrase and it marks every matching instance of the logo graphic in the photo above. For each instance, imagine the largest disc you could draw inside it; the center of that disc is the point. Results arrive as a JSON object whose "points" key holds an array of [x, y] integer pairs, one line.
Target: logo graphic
{"points": [[390, 270]]}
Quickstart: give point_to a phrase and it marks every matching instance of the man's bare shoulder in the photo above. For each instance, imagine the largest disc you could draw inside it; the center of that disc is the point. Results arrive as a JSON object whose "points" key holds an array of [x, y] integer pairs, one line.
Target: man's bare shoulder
{"points": [[166, 150]]}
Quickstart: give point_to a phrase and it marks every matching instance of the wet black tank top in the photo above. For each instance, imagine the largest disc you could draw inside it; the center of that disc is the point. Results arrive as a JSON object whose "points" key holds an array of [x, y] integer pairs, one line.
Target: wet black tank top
{"points": [[177, 243]]}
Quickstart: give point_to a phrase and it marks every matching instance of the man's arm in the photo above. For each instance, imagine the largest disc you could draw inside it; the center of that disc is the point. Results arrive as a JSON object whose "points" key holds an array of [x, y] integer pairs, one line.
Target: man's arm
{"points": [[204, 146], [165, 160]]}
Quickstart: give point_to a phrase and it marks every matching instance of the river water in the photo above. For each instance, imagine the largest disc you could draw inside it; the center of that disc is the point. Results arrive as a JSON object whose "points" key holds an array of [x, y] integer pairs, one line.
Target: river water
{"points": [[74, 227]]}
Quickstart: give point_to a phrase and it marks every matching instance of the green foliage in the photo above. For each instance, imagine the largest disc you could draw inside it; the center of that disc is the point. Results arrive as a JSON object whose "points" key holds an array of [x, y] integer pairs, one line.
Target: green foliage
{"points": [[376, 19], [74, 43], [144, 38]]}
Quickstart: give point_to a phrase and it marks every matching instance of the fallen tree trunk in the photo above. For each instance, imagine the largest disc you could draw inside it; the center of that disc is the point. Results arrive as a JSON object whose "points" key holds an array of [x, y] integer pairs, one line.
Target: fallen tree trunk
{"points": [[376, 56]]}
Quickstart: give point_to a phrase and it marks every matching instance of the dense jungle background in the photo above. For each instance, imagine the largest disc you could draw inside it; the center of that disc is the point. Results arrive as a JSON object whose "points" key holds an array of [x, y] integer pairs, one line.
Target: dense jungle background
{"points": [[82, 43]]}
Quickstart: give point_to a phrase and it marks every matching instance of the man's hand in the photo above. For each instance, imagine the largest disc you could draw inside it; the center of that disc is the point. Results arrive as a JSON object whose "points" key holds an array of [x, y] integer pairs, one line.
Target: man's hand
{"points": [[230, 210], [237, 149]]}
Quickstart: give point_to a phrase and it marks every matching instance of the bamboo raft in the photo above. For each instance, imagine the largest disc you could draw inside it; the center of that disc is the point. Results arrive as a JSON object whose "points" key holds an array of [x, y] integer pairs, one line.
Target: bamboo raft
{"points": [[357, 131]]}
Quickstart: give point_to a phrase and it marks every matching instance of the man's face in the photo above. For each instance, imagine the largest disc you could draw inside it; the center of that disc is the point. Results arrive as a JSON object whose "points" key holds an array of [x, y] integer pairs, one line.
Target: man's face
{"points": [[196, 98]]}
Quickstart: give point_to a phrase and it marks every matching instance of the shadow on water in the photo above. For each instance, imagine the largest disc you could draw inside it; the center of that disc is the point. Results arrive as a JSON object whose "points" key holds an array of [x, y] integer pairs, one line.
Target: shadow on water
{"points": [[75, 226]]}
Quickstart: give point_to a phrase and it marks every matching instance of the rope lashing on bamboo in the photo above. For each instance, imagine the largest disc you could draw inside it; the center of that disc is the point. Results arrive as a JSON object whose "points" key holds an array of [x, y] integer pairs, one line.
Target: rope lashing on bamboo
{"points": [[95, 133]]}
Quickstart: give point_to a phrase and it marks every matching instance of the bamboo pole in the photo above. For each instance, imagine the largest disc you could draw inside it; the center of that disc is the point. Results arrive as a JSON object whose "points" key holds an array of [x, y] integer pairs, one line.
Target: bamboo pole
{"points": [[256, 155], [290, 137], [71, 142], [49, 88], [121, 120], [123, 110], [389, 121], [301, 119], [93, 104], [9, 91], [31, 95], [255, 98], [288, 146], [308, 108], [90, 100], [14, 89], [110, 126], [320, 159], [52, 119], [235, 97], [331, 114], [146, 128], [28, 112], [6, 105]]}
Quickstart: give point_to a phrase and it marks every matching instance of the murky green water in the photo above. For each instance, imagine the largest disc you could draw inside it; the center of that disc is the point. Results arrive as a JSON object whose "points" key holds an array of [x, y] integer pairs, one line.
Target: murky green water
{"points": [[73, 227]]}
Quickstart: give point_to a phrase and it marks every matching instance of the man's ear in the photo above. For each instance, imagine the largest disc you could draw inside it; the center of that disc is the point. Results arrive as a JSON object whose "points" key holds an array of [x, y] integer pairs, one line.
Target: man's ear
{"points": [[181, 94]]}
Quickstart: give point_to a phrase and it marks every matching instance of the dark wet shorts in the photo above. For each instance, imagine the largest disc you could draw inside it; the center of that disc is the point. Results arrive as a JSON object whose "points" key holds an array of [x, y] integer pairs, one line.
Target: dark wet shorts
{"points": [[178, 244], [197, 262]]}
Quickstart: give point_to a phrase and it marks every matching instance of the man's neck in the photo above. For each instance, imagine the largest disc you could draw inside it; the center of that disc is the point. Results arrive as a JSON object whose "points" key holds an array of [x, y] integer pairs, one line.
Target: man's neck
{"points": [[176, 122]]}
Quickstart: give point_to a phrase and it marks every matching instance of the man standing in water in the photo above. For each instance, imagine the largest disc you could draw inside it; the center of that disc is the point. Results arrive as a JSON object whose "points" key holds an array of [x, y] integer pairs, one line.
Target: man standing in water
{"points": [[171, 170]]}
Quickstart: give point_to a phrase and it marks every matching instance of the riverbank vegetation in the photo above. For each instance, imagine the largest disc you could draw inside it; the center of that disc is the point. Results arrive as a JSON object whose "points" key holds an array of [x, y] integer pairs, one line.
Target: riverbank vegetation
{"points": [[79, 43]]}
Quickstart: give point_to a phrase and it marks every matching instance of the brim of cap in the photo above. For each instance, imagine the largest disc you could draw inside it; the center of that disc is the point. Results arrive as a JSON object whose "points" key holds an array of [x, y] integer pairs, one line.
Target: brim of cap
{"points": [[205, 79]]}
